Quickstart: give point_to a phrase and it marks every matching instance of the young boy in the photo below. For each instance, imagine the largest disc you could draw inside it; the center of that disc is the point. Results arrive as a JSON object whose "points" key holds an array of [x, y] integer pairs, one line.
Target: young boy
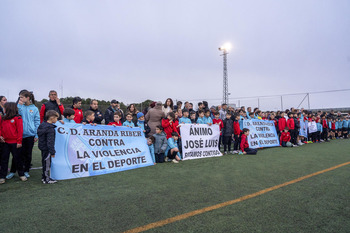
{"points": [[117, 116], [141, 123], [160, 144], [69, 115], [46, 134], [292, 130], [128, 122], [282, 123], [244, 144], [227, 133], [319, 131], [237, 133], [207, 119], [193, 117], [89, 118], [200, 119], [346, 127], [285, 138], [218, 121], [173, 149], [184, 119], [150, 142]]}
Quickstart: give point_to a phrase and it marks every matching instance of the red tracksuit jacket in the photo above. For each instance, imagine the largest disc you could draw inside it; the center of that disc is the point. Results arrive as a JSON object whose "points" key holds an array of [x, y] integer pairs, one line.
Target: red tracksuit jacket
{"points": [[115, 123], [290, 124], [12, 130], [285, 137], [236, 128], [282, 123], [244, 142], [78, 116], [220, 122], [169, 127]]}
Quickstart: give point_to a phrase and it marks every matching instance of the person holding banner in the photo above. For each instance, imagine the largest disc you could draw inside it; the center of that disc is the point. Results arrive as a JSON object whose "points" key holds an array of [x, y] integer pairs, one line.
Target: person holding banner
{"points": [[220, 123], [244, 144], [169, 124]]}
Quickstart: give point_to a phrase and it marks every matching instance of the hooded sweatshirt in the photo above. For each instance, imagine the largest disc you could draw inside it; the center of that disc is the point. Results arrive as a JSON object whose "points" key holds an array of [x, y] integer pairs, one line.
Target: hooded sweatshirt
{"points": [[46, 134]]}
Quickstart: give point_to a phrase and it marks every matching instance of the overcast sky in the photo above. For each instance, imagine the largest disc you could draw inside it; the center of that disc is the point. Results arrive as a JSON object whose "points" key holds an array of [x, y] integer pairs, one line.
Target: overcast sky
{"points": [[154, 49]]}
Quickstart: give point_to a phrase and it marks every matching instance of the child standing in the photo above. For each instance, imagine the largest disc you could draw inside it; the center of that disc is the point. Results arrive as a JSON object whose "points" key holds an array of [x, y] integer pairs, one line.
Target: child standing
{"points": [[69, 115], [150, 142], [184, 119], [129, 122], [169, 124], [160, 144], [237, 133], [193, 117], [31, 121], [291, 126], [117, 119], [244, 144], [282, 123], [200, 119], [141, 123], [11, 132], [46, 133], [89, 118], [227, 133], [207, 119], [220, 123]]}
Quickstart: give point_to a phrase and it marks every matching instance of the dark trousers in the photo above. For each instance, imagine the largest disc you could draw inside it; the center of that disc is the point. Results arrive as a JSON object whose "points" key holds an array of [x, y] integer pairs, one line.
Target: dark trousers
{"points": [[25, 154], [237, 141], [284, 144], [227, 143], [313, 136], [6, 150], [293, 135], [318, 135], [46, 163], [251, 151], [220, 141], [172, 155], [325, 134], [159, 157]]}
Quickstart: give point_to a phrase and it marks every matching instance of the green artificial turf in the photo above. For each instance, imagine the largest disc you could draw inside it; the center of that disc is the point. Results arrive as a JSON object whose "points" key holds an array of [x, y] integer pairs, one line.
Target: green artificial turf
{"points": [[125, 200]]}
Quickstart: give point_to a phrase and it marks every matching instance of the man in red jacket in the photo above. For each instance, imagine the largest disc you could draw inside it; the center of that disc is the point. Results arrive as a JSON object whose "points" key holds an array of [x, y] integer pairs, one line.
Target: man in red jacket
{"points": [[54, 103], [244, 144]]}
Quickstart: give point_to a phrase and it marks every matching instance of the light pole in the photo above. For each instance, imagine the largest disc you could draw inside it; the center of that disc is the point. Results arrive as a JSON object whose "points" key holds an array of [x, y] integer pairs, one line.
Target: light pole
{"points": [[225, 48]]}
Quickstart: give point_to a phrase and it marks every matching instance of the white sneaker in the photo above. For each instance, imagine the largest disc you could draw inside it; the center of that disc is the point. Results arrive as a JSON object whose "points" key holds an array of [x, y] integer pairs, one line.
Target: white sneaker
{"points": [[295, 146], [300, 144], [235, 151], [175, 161]]}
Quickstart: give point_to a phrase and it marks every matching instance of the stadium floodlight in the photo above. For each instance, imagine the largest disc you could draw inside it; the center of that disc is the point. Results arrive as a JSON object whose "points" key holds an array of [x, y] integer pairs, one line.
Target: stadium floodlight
{"points": [[225, 48]]}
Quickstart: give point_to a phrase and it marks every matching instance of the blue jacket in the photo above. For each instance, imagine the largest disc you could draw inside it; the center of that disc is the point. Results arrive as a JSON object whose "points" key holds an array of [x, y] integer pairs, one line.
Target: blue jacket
{"points": [[172, 144], [207, 120], [185, 120], [346, 123], [130, 124], [200, 120], [151, 150], [319, 127], [31, 119], [241, 119], [65, 120]]}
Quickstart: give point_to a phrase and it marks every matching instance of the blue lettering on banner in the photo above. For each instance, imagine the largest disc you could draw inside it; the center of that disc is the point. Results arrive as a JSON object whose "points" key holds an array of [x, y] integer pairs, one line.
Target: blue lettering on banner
{"points": [[261, 133]]}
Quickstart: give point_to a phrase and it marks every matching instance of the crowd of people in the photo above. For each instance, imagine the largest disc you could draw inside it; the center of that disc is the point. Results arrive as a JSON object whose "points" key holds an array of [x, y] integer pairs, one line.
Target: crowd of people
{"points": [[22, 124]]}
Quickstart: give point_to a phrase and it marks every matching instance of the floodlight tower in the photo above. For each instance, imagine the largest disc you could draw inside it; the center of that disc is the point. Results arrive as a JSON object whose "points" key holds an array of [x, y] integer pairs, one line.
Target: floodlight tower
{"points": [[225, 48]]}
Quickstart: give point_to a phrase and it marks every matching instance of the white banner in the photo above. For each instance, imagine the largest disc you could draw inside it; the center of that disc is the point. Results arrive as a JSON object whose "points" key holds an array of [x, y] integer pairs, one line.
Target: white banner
{"points": [[200, 141], [312, 127]]}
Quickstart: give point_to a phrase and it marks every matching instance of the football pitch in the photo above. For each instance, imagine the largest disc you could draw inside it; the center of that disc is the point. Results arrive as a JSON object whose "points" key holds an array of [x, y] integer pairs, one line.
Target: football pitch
{"points": [[277, 190]]}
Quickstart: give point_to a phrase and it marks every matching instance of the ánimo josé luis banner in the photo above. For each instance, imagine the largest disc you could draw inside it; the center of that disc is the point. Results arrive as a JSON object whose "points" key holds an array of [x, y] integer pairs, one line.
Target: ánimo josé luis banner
{"points": [[86, 150]]}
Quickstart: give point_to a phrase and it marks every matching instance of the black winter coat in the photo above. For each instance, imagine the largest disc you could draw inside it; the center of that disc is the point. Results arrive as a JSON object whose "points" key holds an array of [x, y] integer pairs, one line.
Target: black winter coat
{"points": [[228, 127], [47, 135]]}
